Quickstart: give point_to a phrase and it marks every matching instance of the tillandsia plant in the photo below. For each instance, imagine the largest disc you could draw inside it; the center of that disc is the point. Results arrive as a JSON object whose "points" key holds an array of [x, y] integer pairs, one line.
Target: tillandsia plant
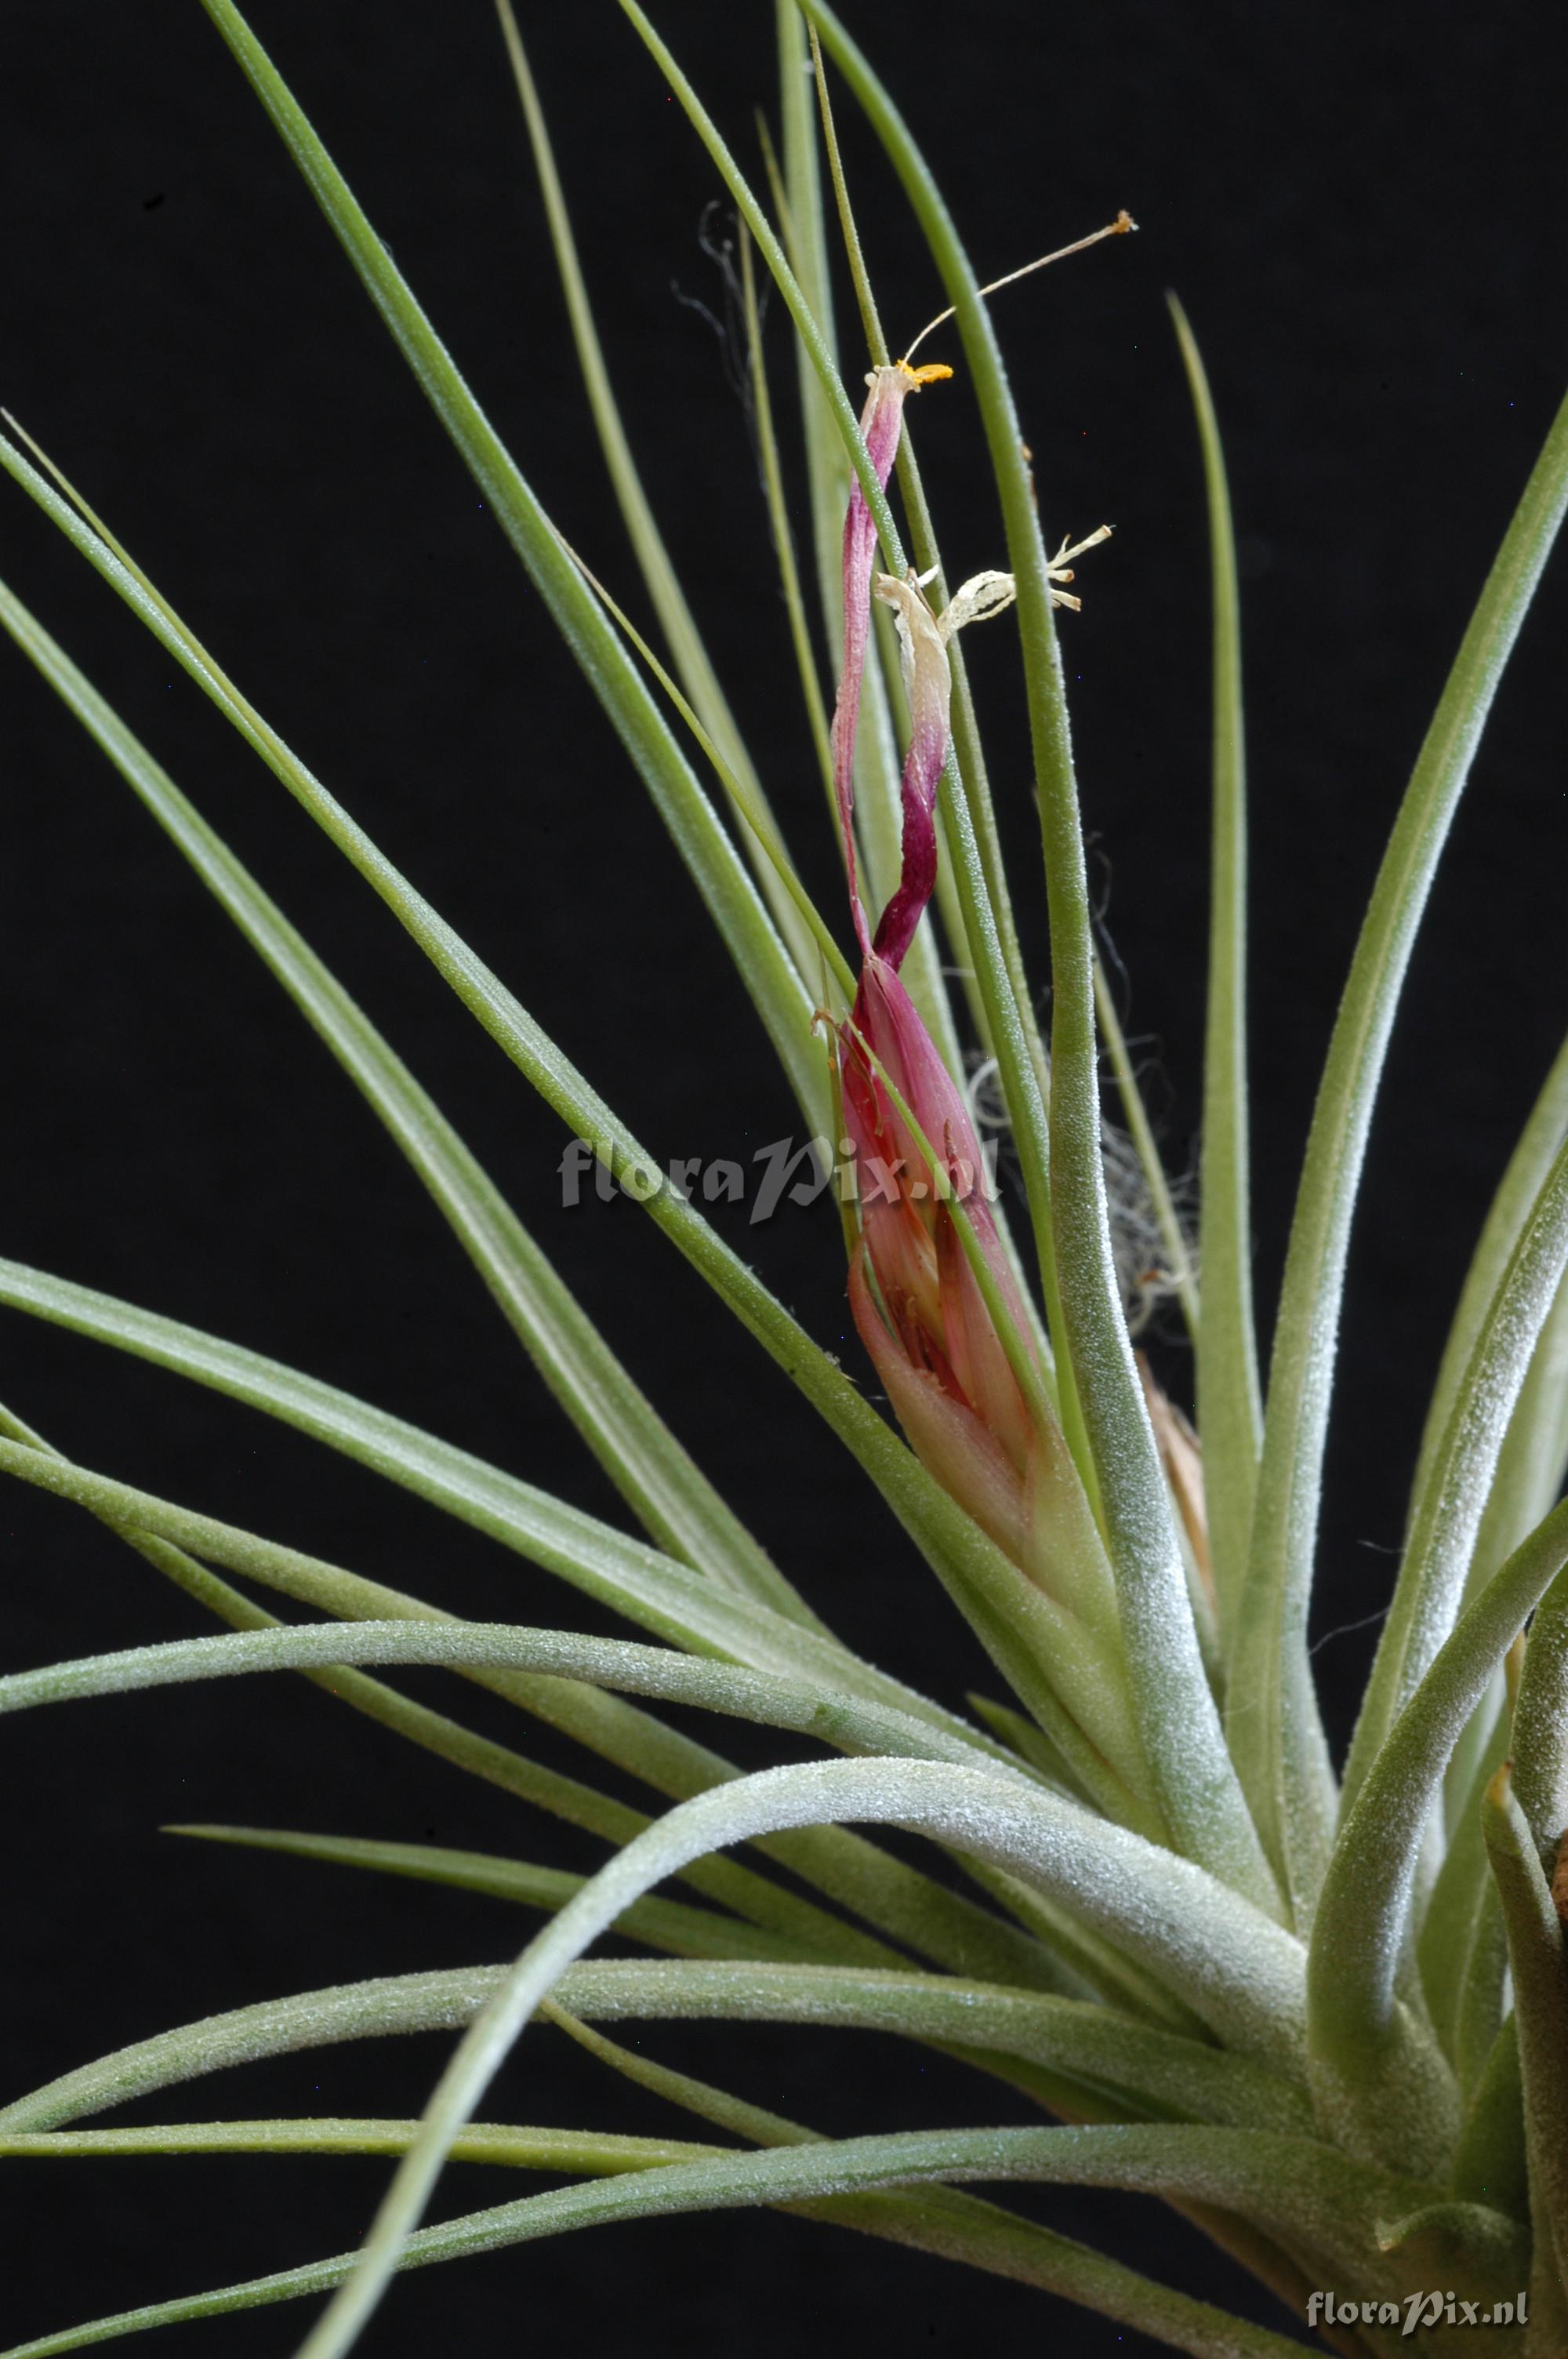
{"points": [[1164, 1944]]}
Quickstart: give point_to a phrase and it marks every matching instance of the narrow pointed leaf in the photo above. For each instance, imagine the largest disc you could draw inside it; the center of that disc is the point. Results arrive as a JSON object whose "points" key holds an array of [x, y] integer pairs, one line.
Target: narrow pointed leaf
{"points": [[1379, 2075], [760, 957], [779, 525], [972, 1568], [1540, 1736], [866, 1881], [669, 1925], [384, 2007], [869, 1882], [674, 1501], [1541, 2003], [703, 2098], [1182, 2076], [826, 475], [1230, 1398], [1305, 2188], [1235, 1965], [1510, 1210], [765, 1641], [1275, 1731], [1447, 1513], [838, 1718], [659, 578], [1448, 1921], [804, 1926], [589, 2151], [955, 2226], [1010, 1615]]}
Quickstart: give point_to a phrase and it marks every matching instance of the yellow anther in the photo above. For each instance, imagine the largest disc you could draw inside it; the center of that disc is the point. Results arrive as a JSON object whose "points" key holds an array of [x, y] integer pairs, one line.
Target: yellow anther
{"points": [[929, 372]]}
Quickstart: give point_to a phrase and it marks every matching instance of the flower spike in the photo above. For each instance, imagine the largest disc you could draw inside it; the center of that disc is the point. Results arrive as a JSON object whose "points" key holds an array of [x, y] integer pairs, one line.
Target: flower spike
{"points": [[965, 1398], [881, 422]]}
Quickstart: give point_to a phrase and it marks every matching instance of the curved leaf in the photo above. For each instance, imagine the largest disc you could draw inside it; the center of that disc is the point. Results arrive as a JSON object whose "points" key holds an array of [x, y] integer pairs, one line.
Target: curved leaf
{"points": [[589, 2151], [669, 1925], [869, 1882], [1002, 1609], [1381, 2081], [1539, 1745], [1540, 2002], [714, 864], [692, 1612], [955, 2226], [1508, 1212], [1447, 1513], [1230, 1415], [1183, 2077], [1306, 2189], [659, 578], [1013, 1619], [679, 1508], [1235, 1965], [872, 1884], [836, 1717], [1275, 1730]]}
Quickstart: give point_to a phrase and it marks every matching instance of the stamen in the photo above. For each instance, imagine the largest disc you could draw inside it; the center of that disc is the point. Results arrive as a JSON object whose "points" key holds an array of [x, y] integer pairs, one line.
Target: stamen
{"points": [[1120, 227], [1058, 570]]}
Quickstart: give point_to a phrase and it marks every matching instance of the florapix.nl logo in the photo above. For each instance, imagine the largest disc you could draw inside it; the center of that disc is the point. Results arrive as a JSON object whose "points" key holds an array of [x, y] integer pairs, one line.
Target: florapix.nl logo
{"points": [[785, 1171]]}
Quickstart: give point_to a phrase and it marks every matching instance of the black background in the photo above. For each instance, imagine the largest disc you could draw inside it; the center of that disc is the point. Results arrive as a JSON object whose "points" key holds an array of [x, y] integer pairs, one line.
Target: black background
{"points": [[1356, 208]]}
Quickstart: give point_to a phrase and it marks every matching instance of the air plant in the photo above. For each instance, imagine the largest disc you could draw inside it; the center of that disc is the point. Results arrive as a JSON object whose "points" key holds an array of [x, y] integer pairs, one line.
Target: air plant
{"points": [[1325, 2015]]}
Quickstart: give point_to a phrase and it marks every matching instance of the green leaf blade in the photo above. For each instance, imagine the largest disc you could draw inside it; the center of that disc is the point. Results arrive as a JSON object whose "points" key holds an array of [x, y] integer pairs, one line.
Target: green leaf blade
{"points": [[1277, 1737], [1230, 1395]]}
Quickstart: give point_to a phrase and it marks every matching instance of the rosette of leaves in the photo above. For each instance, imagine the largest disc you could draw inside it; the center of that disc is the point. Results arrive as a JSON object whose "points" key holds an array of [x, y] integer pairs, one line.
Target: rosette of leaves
{"points": [[1321, 2014]]}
